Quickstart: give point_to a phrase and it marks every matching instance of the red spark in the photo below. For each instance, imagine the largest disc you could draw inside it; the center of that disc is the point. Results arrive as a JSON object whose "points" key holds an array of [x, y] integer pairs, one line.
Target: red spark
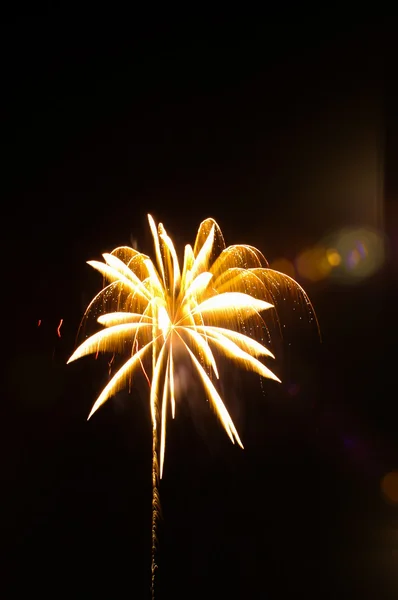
{"points": [[142, 366], [59, 327], [39, 322]]}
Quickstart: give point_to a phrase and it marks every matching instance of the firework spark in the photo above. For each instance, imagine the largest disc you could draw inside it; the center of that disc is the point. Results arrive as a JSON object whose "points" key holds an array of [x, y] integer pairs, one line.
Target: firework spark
{"points": [[210, 305], [59, 328]]}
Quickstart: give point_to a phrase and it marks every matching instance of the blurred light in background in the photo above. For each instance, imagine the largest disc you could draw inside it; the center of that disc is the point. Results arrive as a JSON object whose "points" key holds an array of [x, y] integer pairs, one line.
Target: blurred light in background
{"points": [[284, 266], [389, 487], [334, 258], [348, 256], [362, 252], [313, 264]]}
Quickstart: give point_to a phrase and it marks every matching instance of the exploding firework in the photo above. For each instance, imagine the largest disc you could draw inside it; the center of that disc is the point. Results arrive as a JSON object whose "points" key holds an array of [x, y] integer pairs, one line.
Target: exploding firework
{"points": [[158, 311]]}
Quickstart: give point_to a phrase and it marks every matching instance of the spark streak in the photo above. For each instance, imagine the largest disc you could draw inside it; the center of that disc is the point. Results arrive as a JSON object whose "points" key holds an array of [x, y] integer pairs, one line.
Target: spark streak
{"points": [[59, 328]]}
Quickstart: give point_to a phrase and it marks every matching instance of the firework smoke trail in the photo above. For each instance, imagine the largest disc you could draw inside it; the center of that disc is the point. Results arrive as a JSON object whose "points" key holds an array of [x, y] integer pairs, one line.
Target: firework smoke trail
{"points": [[155, 508], [214, 302], [155, 470]]}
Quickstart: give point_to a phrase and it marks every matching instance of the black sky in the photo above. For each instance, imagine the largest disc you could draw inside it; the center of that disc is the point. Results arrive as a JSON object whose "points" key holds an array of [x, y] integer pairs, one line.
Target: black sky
{"points": [[282, 132]]}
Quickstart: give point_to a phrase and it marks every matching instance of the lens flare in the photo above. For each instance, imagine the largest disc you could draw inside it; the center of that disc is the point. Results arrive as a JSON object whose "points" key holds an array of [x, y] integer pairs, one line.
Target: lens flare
{"points": [[158, 310]]}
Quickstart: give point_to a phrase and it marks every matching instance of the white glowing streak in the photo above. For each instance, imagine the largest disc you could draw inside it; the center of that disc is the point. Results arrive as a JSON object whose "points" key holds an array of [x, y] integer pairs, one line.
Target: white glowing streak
{"points": [[114, 275], [171, 378], [204, 254], [153, 278], [163, 426], [176, 267], [119, 379], [157, 246], [197, 286], [203, 346], [232, 301], [189, 259], [118, 265], [231, 349], [103, 340], [117, 318], [216, 399], [244, 341], [163, 321], [155, 386]]}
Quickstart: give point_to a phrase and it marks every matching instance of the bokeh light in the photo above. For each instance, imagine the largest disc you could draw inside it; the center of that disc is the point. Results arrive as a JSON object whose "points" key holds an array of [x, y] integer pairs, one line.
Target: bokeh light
{"points": [[361, 251], [348, 255], [313, 264], [389, 487], [334, 258], [283, 265]]}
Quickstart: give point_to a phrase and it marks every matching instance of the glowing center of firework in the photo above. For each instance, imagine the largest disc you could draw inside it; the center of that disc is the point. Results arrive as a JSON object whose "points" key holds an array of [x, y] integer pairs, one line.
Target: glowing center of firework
{"points": [[164, 323]]}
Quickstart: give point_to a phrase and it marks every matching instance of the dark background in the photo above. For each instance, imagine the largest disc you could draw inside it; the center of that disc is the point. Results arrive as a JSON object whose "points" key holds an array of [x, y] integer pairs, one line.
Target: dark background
{"points": [[283, 132]]}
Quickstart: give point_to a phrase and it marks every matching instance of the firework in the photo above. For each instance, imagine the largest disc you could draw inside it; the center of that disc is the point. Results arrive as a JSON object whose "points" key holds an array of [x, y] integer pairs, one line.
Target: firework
{"points": [[211, 305]]}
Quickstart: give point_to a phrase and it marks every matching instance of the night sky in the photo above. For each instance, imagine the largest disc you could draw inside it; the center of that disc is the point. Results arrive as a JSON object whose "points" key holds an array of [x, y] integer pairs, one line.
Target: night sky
{"points": [[285, 134]]}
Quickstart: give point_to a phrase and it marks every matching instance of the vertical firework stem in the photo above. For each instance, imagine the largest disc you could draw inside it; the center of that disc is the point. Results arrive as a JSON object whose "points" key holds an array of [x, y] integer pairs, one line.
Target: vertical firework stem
{"points": [[155, 472], [155, 504]]}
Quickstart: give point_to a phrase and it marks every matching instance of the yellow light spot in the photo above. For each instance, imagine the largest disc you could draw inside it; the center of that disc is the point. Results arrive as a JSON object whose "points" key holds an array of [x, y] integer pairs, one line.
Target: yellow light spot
{"points": [[333, 257]]}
